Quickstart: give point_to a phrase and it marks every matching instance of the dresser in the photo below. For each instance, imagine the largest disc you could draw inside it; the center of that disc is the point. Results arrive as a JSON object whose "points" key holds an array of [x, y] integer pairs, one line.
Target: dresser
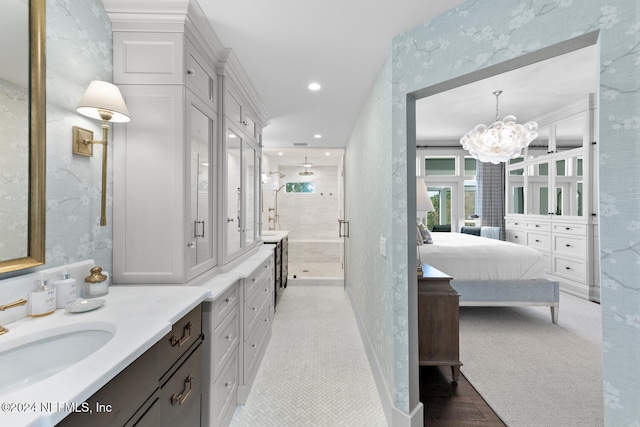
{"points": [[438, 322]]}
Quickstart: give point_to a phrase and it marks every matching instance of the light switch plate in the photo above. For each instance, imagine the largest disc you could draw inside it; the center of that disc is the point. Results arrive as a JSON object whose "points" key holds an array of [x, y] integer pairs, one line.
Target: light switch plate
{"points": [[383, 246]]}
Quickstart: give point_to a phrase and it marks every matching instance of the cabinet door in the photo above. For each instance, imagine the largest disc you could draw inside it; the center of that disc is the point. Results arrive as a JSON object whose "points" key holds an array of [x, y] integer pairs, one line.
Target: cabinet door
{"points": [[201, 225], [233, 173]]}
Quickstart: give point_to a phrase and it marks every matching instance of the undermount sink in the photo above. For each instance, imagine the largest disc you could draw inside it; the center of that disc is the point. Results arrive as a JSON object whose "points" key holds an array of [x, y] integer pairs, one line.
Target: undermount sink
{"points": [[40, 355]]}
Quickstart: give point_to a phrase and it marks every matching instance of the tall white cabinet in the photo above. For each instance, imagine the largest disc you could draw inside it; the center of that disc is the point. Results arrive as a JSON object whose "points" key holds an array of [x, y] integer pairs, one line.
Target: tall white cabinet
{"points": [[185, 199], [552, 198]]}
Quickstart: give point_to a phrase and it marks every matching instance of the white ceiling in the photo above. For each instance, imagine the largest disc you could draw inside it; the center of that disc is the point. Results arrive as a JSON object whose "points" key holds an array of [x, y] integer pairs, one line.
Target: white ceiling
{"points": [[528, 93], [286, 44]]}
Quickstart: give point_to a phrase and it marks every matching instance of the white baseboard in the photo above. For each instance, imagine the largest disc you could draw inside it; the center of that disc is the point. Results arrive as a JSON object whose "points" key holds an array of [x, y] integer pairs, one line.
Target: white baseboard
{"points": [[395, 416]]}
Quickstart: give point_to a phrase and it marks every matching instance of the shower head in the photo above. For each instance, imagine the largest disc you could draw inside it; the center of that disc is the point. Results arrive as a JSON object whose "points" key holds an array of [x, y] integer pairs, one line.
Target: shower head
{"points": [[280, 174]]}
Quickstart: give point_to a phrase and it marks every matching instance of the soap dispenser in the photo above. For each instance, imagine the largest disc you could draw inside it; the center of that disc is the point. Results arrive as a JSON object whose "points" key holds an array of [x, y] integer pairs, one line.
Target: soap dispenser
{"points": [[66, 291], [95, 285], [42, 300]]}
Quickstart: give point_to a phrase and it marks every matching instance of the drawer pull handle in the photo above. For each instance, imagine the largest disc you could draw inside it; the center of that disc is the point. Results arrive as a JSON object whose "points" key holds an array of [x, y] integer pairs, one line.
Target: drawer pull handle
{"points": [[228, 384], [229, 337], [186, 336], [266, 289], [537, 225], [537, 241], [254, 280], [568, 268], [568, 245], [266, 320], [567, 228], [254, 308], [191, 71], [179, 398], [230, 300], [254, 345]]}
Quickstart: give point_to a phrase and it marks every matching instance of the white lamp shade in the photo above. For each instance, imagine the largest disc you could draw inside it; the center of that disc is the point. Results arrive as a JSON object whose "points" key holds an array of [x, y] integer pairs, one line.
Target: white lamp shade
{"points": [[103, 96], [423, 202]]}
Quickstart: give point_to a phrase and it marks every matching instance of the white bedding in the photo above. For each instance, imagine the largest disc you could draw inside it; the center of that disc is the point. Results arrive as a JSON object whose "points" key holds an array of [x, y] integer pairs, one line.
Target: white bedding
{"points": [[468, 257]]}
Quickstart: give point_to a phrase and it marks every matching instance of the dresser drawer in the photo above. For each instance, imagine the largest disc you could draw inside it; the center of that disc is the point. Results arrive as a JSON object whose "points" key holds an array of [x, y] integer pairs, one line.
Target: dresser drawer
{"points": [[183, 335], [570, 268], [517, 236], [538, 226], [540, 241], [515, 223], [224, 342], [180, 396], [224, 304], [570, 245], [224, 393], [579, 229]]}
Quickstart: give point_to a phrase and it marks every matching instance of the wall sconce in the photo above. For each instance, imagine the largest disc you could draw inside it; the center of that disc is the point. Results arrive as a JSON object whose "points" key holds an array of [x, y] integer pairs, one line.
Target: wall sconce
{"points": [[102, 101]]}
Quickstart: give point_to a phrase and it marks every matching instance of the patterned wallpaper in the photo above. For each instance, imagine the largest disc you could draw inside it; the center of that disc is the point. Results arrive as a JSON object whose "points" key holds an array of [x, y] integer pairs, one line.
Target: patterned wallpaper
{"points": [[472, 37], [368, 208], [78, 51]]}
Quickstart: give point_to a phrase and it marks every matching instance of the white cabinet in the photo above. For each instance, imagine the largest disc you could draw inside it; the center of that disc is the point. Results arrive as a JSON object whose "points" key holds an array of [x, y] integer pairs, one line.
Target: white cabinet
{"points": [[165, 168], [185, 198], [552, 198]]}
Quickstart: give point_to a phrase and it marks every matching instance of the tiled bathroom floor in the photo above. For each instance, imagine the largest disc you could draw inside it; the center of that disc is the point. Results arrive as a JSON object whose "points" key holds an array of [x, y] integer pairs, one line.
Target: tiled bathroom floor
{"points": [[315, 371]]}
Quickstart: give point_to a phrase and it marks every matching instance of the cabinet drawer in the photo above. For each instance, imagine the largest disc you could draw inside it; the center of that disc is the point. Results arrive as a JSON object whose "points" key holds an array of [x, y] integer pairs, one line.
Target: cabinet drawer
{"points": [[183, 335], [541, 241], [570, 268], [254, 306], [570, 245], [517, 236], [254, 343], [225, 341], [224, 392], [515, 223], [180, 396], [254, 280], [139, 380], [223, 305], [579, 229], [538, 226]]}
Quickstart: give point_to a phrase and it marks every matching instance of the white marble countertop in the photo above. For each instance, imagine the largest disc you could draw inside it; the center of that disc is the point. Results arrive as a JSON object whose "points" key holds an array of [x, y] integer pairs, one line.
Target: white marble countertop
{"points": [[140, 316], [273, 236]]}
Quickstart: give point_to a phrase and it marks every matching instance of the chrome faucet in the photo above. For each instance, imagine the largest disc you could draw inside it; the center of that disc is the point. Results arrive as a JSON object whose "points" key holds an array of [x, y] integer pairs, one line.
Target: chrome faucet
{"points": [[18, 303]]}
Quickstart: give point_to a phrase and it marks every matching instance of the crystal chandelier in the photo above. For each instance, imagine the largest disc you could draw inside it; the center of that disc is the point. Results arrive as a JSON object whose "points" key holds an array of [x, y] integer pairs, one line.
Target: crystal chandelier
{"points": [[501, 141]]}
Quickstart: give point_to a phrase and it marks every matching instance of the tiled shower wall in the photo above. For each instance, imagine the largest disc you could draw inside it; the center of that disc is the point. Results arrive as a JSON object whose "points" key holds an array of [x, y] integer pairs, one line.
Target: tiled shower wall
{"points": [[311, 219]]}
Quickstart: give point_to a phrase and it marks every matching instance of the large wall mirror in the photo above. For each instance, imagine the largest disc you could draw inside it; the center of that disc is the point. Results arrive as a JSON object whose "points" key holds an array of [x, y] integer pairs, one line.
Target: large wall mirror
{"points": [[22, 134]]}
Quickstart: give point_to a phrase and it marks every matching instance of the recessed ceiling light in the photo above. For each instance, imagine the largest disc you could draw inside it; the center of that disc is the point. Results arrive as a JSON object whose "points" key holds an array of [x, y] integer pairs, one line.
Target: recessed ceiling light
{"points": [[314, 86], [317, 136], [327, 153], [280, 153]]}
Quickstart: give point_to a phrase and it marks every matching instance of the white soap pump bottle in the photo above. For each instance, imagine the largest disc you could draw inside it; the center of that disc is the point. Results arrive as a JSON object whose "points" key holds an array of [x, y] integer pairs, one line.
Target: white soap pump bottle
{"points": [[42, 300], [66, 291]]}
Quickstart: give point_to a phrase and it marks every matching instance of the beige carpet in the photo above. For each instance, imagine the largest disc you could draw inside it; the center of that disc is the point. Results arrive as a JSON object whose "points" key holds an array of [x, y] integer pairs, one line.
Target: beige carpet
{"points": [[534, 373]]}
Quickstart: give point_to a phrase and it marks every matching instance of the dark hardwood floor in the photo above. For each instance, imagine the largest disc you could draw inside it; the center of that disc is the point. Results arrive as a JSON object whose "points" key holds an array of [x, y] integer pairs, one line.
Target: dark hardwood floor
{"points": [[446, 405]]}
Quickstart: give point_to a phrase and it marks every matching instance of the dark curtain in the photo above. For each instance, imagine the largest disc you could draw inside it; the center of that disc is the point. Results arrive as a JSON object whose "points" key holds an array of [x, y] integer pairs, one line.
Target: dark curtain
{"points": [[490, 196]]}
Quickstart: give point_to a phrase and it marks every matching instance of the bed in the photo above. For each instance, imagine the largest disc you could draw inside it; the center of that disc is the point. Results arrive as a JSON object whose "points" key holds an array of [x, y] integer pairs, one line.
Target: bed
{"points": [[488, 272]]}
